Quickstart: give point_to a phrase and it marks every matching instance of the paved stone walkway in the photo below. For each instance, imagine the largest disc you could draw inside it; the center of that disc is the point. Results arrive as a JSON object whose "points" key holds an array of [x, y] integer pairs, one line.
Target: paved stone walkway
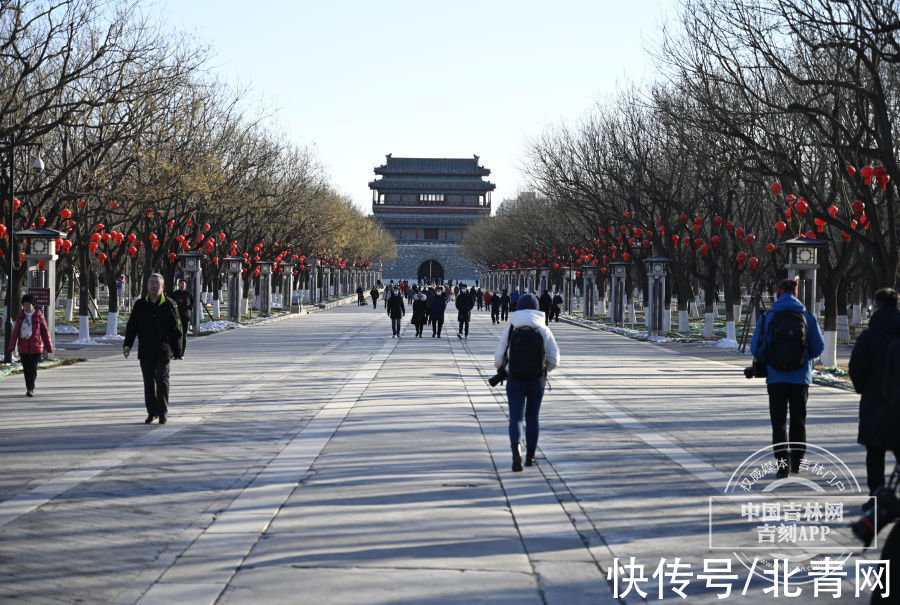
{"points": [[318, 460]]}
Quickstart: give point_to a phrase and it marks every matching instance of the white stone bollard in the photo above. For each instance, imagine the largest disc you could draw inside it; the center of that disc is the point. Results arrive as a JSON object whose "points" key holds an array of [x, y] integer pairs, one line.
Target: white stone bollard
{"points": [[693, 309], [632, 316], [112, 323], [855, 315], [736, 309], [730, 330], [667, 319], [70, 309], [216, 308], [684, 321]]}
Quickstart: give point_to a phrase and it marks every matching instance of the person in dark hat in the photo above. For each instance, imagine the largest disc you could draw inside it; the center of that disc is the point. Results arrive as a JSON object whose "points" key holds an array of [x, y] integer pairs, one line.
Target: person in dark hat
{"points": [[789, 339], [526, 351]]}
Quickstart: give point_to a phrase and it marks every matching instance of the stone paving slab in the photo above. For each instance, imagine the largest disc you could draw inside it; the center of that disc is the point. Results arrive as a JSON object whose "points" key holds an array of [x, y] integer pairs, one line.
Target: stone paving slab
{"points": [[318, 460]]}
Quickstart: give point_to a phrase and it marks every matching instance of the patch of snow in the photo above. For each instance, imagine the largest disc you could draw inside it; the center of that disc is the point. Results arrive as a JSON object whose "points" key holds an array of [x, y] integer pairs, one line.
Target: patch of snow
{"points": [[85, 341], [218, 326], [63, 329], [726, 343], [660, 339], [111, 338]]}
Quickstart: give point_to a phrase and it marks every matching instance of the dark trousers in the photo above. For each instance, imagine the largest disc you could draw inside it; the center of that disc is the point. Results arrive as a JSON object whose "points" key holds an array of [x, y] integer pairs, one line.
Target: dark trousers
{"points": [[504, 314], [185, 322], [554, 313], [524, 398], [29, 368], [419, 327], [875, 467], [464, 325], [374, 303], [436, 325], [395, 325], [784, 396], [479, 303], [156, 385], [495, 315]]}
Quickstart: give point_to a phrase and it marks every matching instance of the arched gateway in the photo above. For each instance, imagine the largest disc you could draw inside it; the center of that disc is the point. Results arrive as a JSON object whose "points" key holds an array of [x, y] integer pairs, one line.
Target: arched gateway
{"points": [[426, 204], [431, 271]]}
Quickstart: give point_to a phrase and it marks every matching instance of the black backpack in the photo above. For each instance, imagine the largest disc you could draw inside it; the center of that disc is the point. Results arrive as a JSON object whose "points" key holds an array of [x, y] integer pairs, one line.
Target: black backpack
{"points": [[787, 347], [526, 353]]}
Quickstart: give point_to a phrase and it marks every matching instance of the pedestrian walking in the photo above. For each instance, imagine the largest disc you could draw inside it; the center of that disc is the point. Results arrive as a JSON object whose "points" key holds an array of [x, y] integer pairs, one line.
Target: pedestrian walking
{"points": [[419, 313], [546, 302], [374, 294], [31, 336], [360, 296], [867, 371], [495, 308], [504, 306], [185, 303], [155, 323], [438, 306], [789, 339], [395, 310], [557, 306], [479, 297], [487, 300], [514, 300], [465, 302], [526, 351]]}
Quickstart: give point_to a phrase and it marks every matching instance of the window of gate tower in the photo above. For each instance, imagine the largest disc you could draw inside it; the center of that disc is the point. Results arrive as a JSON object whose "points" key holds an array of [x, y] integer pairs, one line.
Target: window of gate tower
{"points": [[431, 199], [431, 233]]}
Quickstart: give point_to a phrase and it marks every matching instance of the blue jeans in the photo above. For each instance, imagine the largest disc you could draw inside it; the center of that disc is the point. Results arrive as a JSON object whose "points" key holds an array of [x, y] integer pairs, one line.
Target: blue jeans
{"points": [[524, 397]]}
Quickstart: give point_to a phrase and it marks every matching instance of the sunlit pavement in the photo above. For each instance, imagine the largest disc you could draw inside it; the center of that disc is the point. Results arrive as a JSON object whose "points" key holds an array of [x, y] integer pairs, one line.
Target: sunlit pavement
{"points": [[318, 460]]}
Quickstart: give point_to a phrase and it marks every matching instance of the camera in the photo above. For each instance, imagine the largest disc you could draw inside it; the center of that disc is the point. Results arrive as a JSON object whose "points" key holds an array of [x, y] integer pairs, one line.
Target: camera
{"points": [[887, 509], [497, 378], [757, 369]]}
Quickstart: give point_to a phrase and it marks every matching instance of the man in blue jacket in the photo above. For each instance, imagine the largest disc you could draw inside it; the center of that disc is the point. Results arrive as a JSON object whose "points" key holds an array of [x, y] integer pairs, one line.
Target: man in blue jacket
{"points": [[790, 342]]}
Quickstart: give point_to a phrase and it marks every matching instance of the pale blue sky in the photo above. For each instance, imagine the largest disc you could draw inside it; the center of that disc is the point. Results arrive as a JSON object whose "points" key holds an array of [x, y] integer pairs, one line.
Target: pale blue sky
{"points": [[357, 80]]}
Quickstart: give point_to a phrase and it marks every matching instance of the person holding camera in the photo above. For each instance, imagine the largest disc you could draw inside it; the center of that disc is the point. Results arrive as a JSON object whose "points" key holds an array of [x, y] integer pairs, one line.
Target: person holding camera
{"points": [[788, 339], [31, 335], [525, 353]]}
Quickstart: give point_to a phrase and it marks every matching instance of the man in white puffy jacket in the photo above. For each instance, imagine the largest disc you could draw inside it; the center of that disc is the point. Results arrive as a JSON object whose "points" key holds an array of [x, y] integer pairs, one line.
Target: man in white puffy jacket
{"points": [[519, 353]]}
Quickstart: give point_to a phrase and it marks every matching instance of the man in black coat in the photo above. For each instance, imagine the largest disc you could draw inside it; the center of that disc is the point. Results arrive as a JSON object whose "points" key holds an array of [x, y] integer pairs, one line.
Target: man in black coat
{"points": [[546, 305], [436, 314], [465, 302], [556, 307], [185, 303], [867, 364], [504, 306], [154, 322], [395, 309]]}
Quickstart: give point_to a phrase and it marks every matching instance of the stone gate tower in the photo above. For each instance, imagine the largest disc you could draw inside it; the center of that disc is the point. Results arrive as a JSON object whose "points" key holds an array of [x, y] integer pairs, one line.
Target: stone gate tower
{"points": [[426, 204]]}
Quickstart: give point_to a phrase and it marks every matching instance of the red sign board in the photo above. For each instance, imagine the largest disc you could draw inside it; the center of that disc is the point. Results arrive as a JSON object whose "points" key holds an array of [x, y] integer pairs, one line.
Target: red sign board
{"points": [[41, 296]]}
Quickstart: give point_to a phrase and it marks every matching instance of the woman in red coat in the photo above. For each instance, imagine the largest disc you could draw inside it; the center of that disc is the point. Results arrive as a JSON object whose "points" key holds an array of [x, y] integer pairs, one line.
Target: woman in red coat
{"points": [[32, 336]]}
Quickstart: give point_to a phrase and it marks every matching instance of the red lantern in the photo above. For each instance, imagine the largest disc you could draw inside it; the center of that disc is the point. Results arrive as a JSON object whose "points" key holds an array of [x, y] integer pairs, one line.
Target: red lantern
{"points": [[883, 181], [739, 232], [853, 224], [96, 237], [698, 242], [675, 239], [866, 173], [686, 241], [683, 218], [180, 239], [171, 257], [222, 237], [705, 249], [770, 247], [753, 262], [16, 204], [698, 221], [148, 212], [216, 260], [718, 221], [206, 227], [729, 226], [832, 211], [787, 213], [809, 235], [625, 256], [791, 199], [132, 251], [776, 187], [820, 224], [749, 240], [106, 237], [857, 207], [170, 223], [81, 203], [99, 227], [851, 170], [846, 236], [113, 204], [102, 257], [801, 207], [41, 221], [715, 241], [65, 213]]}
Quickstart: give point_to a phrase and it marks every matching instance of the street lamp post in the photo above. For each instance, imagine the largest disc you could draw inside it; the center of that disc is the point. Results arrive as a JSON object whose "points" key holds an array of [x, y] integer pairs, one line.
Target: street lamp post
{"points": [[12, 303]]}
